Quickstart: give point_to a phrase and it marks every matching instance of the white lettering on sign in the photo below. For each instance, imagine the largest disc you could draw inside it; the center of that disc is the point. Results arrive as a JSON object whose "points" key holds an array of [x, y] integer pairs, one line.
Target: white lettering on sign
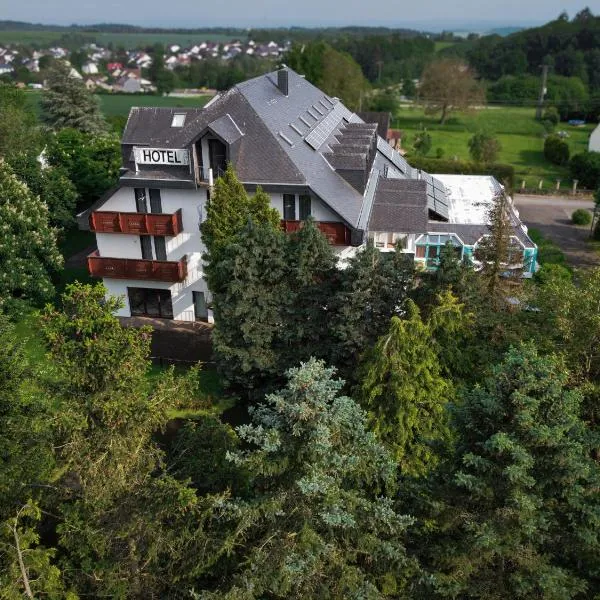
{"points": [[161, 156]]}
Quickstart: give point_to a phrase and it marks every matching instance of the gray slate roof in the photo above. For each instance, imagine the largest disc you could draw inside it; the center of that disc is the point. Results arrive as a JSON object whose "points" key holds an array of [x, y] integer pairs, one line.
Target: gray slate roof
{"points": [[400, 205], [298, 139]]}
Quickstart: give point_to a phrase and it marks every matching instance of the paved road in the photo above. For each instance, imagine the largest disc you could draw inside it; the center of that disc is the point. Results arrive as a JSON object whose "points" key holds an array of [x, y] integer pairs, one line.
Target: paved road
{"points": [[552, 216]]}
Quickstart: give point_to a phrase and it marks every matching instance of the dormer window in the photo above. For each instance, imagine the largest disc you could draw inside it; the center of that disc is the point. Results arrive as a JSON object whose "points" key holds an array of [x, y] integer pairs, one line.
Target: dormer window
{"points": [[178, 120]]}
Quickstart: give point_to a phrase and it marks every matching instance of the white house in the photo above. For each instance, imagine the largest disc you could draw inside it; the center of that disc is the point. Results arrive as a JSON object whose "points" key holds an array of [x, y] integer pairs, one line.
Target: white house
{"points": [[594, 141], [89, 68], [312, 155]]}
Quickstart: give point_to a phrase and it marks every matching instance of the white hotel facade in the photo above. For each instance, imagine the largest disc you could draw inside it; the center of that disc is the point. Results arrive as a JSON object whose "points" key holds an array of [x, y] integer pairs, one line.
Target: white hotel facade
{"points": [[313, 157]]}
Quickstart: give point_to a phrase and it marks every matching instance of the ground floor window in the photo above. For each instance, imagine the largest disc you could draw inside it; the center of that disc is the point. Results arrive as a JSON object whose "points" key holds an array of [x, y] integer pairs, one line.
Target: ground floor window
{"points": [[150, 302], [430, 247], [389, 240], [200, 308]]}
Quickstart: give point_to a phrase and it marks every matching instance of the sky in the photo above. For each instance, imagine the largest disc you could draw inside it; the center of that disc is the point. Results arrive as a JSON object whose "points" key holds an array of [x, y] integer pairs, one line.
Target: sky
{"points": [[431, 15]]}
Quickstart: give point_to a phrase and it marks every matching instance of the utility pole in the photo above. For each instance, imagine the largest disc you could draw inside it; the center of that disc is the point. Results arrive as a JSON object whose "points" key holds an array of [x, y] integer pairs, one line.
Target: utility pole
{"points": [[540, 106]]}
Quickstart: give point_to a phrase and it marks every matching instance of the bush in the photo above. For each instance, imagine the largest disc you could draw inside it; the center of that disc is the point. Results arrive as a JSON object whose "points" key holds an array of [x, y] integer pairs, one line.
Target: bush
{"points": [[556, 150], [505, 174], [581, 217], [422, 143], [551, 115], [585, 167], [484, 147]]}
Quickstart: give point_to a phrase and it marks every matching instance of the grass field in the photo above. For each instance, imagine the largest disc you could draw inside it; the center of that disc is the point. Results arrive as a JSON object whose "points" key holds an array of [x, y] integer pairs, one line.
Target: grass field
{"points": [[127, 40], [119, 104], [519, 133], [441, 45]]}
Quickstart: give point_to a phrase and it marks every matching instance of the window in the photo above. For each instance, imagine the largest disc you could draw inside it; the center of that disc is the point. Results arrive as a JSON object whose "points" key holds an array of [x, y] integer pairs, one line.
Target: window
{"points": [[430, 247], [304, 207], [148, 302], [160, 247], [146, 243], [155, 202], [140, 200], [200, 308], [178, 120], [289, 207]]}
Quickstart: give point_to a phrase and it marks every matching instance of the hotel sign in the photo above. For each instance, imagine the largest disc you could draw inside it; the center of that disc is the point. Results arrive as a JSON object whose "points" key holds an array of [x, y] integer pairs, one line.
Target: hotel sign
{"points": [[161, 156]]}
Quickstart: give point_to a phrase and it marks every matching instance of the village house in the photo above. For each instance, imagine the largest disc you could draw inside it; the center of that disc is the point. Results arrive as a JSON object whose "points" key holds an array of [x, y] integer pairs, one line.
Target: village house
{"points": [[313, 156]]}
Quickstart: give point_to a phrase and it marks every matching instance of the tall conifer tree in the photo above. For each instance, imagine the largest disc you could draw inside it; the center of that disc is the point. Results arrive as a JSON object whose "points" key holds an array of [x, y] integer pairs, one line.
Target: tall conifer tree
{"points": [[68, 103]]}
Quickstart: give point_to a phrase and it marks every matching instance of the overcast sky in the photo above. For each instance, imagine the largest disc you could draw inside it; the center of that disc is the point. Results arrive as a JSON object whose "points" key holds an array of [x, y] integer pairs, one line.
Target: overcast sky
{"points": [[425, 14]]}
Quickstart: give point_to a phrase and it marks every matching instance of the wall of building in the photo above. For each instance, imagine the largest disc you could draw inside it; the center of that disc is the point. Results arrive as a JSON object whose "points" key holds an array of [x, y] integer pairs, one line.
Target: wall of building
{"points": [[189, 243], [594, 143], [193, 210]]}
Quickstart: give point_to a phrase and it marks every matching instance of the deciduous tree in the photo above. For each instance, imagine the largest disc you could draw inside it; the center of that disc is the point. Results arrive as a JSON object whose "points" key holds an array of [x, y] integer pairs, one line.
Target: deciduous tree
{"points": [[448, 85], [28, 252]]}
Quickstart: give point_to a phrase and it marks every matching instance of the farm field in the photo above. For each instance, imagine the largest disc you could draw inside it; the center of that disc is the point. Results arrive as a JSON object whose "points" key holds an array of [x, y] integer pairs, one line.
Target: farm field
{"points": [[127, 40], [119, 104], [519, 133]]}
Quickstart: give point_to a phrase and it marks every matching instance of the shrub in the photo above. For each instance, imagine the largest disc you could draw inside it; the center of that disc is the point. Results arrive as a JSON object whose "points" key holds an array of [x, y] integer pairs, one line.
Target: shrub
{"points": [[551, 115], [484, 147], [422, 143], [556, 150], [581, 217], [439, 153], [585, 167]]}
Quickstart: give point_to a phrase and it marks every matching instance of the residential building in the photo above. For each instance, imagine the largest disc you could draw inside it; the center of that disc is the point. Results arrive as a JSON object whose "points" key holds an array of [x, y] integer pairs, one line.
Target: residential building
{"points": [[312, 155], [594, 141]]}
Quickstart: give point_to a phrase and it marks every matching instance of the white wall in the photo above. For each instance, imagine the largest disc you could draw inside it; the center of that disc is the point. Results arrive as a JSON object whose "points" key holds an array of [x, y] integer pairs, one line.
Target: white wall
{"points": [[594, 143], [188, 242]]}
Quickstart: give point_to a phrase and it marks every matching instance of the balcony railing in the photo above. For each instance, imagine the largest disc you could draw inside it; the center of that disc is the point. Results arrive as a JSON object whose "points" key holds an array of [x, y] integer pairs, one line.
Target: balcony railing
{"points": [[203, 174], [337, 234], [170, 271], [136, 223]]}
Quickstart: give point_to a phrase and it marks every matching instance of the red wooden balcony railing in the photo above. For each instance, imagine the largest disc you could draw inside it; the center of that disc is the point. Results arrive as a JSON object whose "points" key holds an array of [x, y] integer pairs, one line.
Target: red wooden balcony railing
{"points": [[337, 234], [170, 271], [136, 223]]}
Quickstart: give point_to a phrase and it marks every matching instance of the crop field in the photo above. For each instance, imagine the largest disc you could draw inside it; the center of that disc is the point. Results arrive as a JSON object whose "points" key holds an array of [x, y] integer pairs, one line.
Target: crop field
{"points": [[521, 137], [127, 40], [119, 104]]}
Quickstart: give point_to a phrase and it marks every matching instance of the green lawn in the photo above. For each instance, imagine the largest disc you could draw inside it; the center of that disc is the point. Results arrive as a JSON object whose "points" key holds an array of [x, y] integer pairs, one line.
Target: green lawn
{"points": [[441, 45], [119, 104], [127, 40], [519, 133]]}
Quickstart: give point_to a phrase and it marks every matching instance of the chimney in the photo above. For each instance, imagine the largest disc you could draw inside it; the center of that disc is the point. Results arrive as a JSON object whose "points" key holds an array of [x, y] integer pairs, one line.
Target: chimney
{"points": [[283, 81]]}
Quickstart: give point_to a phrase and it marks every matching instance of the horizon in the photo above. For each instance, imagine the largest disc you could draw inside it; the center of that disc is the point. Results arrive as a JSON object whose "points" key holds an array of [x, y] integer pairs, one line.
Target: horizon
{"points": [[483, 14]]}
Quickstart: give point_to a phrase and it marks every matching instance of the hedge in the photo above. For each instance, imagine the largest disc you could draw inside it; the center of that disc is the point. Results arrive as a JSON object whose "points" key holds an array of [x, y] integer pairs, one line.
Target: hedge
{"points": [[504, 173]]}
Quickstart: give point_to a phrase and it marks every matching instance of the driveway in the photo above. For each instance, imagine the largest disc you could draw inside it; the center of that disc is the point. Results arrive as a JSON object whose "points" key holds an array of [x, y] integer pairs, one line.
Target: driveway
{"points": [[552, 216]]}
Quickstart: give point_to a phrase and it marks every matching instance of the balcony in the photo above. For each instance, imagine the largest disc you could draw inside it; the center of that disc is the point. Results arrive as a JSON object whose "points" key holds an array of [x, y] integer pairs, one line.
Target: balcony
{"points": [[136, 223], [337, 234], [169, 271]]}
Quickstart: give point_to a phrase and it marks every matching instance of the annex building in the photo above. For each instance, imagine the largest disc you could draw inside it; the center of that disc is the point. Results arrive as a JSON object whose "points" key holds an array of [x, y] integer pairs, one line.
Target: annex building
{"points": [[312, 155]]}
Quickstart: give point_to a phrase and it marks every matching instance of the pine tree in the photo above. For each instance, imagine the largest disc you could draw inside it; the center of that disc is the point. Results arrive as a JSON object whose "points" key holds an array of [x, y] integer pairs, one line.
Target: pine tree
{"points": [[405, 393], [227, 214], [498, 253], [250, 293], [68, 103], [371, 290], [312, 279], [28, 252], [319, 522], [520, 504]]}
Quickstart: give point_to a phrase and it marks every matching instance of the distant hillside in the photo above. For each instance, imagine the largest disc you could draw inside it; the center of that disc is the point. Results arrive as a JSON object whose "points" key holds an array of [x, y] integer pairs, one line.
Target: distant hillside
{"points": [[570, 47]]}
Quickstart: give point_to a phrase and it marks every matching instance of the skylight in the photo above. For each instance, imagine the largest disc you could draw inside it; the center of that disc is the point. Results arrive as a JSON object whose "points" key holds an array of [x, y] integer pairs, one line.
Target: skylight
{"points": [[178, 120]]}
